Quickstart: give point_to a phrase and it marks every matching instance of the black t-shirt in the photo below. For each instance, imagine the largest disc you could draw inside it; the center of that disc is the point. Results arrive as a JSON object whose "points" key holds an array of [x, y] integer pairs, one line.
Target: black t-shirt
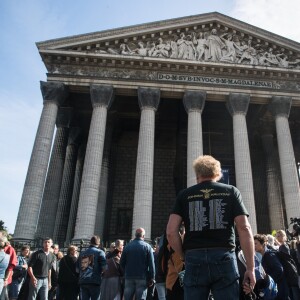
{"points": [[41, 263], [208, 210]]}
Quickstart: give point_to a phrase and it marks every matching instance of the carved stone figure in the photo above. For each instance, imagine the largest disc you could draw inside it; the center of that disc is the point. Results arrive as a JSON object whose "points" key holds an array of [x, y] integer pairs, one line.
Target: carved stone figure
{"points": [[161, 49], [141, 50], [215, 46], [231, 46], [174, 47], [201, 46], [182, 46]]}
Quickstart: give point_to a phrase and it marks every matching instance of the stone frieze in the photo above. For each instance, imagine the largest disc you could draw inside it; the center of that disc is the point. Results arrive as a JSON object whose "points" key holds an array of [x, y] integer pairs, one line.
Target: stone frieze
{"points": [[123, 74], [208, 46]]}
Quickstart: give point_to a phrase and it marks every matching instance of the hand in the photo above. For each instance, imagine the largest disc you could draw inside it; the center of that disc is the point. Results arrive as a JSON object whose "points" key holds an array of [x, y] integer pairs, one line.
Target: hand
{"points": [[151, 282], [5, 282], [49, 286], [33, 281], [249, 281]]}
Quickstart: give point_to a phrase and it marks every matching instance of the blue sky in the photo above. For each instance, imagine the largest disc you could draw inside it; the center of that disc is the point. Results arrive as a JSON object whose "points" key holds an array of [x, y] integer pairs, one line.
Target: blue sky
{"points": [[23, 23]]}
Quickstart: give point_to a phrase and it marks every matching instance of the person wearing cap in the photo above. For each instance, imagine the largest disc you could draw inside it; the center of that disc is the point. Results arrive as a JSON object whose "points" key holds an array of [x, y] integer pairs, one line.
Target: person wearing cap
{"points": [[210, 211], [4, 261], [137, 261], [8, 249]]}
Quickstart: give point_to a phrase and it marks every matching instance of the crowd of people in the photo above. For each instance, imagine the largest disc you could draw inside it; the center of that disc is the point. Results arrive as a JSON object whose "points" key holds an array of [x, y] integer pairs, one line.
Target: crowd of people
{"points": [[207, 252]]}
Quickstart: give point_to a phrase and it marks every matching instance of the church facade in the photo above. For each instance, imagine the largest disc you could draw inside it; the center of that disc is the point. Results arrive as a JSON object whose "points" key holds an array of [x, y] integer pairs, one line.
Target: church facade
{"points": [[126, 111]]}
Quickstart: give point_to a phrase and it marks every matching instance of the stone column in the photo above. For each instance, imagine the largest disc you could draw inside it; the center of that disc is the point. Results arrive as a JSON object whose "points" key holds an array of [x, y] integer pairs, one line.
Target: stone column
{"points": [[273, 185], [54, 94], [237, 105], [194, 104], [65, 196], [105, 170], [101, 97], [76, 192], [280, 108], [142, 206], [54, 175]]}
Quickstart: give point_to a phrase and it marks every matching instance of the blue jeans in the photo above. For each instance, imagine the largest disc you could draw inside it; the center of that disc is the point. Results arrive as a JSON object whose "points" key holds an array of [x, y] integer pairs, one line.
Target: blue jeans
{"points": [[214, 270], [90, 292], [137, 287], [161, 290], [1, 285], [41, 289]]}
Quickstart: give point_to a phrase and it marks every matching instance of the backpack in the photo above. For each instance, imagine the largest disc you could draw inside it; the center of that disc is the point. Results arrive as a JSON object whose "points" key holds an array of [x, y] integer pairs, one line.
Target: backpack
{"points": [[289, 268]]}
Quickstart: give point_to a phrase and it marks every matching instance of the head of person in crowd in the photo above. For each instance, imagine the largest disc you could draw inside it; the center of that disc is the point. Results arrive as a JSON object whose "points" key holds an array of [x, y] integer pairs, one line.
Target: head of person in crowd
{"points": [[119, 245], [3, 241], [207, 167], [55, 248], [25, 251], [140, 233], [85, 262], [112, 247], [47, 243], [260, 242], [281, 236], [72, 251], [59, 255], [95, 241]]}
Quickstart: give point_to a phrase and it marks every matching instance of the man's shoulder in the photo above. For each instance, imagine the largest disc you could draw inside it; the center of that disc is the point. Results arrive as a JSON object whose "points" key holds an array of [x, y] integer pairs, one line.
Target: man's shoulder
{"points": [[92, 250]]}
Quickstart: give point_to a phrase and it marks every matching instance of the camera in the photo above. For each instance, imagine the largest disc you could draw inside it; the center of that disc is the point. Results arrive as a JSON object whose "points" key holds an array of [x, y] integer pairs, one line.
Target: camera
{"points": [[296, 228]]}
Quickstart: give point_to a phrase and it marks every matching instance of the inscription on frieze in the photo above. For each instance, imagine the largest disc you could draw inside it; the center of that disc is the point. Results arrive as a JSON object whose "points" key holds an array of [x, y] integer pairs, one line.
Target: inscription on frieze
{"points": [[215, 80]]}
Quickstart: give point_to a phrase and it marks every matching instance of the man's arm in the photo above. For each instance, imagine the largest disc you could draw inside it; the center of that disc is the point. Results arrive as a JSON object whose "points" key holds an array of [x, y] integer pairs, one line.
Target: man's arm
{"points": [[49, 279], [173, 235], [32, 277], [247, 245]]}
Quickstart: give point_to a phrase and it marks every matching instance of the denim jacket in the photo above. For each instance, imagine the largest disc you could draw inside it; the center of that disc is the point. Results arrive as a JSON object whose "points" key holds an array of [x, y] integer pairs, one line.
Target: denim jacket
{"points": [[91, 264], [4, 261], [137, 260]]}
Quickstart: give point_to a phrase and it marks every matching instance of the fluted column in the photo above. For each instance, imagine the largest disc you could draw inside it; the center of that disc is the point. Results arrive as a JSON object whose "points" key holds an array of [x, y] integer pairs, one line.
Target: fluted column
{"points": [[237, 105], [273, 185], [142, 207], [101, 207], [50, 198], [54, 93], [75, 193], [194, 102], [101, 97], [65, 195], [280, 108]]}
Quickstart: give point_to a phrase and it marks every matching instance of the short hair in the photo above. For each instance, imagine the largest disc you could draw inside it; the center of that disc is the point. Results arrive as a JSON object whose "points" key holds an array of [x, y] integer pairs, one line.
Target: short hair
{"points": [[71, 248], [207, 166], [281, 232], [271, 239], [140, 232], [118, 243], [3, 242], [261, 238], [25, 247], [47, 238], [95, 240]]}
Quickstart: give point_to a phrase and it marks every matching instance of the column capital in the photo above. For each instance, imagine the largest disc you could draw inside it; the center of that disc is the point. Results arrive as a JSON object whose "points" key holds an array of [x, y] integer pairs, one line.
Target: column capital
{"points": [[64, 117], [102, 95], [238, 103], [194, 100], [54, 92], [280, 106], [148, 98]]}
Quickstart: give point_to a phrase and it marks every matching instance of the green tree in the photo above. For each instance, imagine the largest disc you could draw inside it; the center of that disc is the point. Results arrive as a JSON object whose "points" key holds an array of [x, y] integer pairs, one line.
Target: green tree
{"points": [[2, 226]]}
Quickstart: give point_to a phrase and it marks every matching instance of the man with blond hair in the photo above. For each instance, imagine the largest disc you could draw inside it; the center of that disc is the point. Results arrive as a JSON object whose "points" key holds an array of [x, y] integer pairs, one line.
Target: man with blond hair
{"points": [[210, 211]]}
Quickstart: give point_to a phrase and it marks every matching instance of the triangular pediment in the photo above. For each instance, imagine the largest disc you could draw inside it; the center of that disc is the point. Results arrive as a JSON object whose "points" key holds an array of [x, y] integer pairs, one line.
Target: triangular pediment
{"points": [[207, 38]]}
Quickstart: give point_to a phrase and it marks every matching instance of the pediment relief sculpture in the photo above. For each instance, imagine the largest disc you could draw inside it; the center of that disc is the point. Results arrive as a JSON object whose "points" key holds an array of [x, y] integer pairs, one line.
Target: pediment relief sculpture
{"points": [[208, 46]]}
